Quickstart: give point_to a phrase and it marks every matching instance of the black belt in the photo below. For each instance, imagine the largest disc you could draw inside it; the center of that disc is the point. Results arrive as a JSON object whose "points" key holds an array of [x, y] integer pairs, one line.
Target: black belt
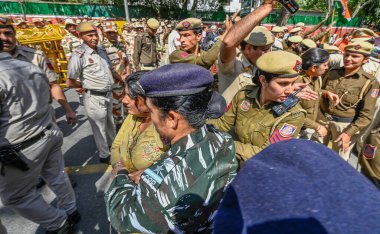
{"points": [[97, 93], [148, 64], [31, 141], [338, 119]]}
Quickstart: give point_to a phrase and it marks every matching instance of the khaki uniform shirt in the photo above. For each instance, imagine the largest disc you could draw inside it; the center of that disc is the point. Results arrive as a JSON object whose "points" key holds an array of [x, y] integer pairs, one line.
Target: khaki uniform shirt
{"points": [[348, 89], [256, 126], [145, 51], [92, 67], [311, 106], [205, 59], [24, 100], [38, 58], [69, 43], [234, 75], [139, 150]]}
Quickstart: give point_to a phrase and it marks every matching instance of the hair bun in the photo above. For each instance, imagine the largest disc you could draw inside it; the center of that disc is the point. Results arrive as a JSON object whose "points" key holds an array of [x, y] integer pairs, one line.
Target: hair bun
{"points": [[216, 106]]}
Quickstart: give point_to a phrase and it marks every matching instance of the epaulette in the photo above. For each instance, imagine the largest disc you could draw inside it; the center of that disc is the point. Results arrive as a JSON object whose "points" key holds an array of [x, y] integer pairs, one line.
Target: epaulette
{"points": [[368, 75], [249, 87], [297, 111], [79, 51]]}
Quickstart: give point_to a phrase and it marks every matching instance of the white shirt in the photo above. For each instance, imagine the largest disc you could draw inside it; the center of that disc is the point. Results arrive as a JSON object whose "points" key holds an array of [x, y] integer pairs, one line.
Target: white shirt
{"points": [[173, 41]]}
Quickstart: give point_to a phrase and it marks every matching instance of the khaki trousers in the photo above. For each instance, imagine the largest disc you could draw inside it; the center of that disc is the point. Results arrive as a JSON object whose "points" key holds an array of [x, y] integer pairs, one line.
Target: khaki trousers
{"points": [[99, 113], [334, 129], [18, 188]]}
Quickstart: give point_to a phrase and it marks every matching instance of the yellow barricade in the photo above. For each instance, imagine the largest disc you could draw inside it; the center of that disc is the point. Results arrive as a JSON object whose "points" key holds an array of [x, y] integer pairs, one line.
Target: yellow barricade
{"points": [[48, 40]]}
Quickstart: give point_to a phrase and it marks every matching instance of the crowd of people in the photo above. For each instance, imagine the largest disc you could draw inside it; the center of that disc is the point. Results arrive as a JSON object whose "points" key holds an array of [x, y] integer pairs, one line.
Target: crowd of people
{"points": [[178, 107]]}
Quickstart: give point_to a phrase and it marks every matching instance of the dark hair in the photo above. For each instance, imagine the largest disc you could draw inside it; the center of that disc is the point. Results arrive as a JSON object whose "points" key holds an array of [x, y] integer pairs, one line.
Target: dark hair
{"points": [[243, 44], [134, 89], [192, 107], [197, 31], [314, 57], [268, 76]]}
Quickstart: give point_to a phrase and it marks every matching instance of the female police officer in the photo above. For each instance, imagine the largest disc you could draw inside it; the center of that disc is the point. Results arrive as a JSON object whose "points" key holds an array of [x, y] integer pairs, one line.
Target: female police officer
{"points": [[181, 191], [356, 91], [315, 63], [256, 124]]}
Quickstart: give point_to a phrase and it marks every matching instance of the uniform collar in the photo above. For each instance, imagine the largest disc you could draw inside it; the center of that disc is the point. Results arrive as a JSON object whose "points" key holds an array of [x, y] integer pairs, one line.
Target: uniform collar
{"points": [[356, 75], [254, 93], [89, 49]]}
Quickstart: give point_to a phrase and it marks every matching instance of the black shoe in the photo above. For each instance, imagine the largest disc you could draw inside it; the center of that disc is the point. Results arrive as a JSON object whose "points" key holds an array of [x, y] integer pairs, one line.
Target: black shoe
{"points": [[74, 217], [41, 183], [67, 228], [105, 160]]}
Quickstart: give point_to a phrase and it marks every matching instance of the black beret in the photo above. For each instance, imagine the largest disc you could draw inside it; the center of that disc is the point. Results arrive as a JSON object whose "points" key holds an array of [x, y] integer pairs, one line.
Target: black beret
{"points": [[298, 186], [176, 79]]}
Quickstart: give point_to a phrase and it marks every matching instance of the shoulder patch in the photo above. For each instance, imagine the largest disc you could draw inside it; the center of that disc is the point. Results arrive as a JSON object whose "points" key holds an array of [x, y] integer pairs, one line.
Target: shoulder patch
{"points": [[375, 93], [245, 105], [287, 130], [369, 151], [151, 177]]}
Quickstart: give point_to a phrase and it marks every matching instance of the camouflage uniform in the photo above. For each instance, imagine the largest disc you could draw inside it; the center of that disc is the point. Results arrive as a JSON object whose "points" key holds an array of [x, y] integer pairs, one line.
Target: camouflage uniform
{"points": [[129, 40], [180, 192], [119, 60], [69, 43]]}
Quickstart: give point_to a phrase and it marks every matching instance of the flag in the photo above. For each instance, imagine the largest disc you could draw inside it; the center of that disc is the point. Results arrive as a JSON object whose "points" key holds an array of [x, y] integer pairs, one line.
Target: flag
{"points": [[342, 10]]}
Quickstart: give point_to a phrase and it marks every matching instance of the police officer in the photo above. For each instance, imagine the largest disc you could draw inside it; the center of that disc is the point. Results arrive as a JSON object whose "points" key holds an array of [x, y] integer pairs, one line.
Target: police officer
{"points": [[278, 33], [71, 40], [145, 50], [236, 69], [190, 31], [129, 41], [350, 96], [251, 112], [120, 69], [369, 157], [91, 64], [181, 191], [38, 58], [30, 146], [315, 63]]}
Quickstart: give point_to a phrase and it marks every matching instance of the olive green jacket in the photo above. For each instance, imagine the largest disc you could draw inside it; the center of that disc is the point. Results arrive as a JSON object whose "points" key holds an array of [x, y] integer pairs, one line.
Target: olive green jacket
{"points": [[256, 126]]}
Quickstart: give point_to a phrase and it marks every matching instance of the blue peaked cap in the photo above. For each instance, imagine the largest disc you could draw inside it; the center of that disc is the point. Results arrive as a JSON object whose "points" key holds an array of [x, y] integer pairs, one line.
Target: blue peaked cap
{"points": [[299, 186], [176, 79]]}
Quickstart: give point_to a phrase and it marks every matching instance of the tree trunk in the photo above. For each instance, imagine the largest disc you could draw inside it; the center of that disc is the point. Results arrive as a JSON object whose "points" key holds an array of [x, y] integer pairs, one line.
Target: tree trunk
{"points": [[359, 7], [284, 17], [193, 11]]}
